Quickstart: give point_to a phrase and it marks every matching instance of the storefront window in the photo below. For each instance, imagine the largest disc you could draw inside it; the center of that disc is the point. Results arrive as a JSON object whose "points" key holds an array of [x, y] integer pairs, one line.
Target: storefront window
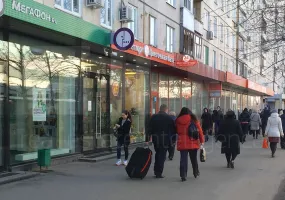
{"points": [[163, 89], [116, 100], [228, 101], [205, 96], [197, 99], [174, 94], [223, 101], [43, 95], [154, 93], [244, 101], [186, 94], [3, 84], [137, 99]]}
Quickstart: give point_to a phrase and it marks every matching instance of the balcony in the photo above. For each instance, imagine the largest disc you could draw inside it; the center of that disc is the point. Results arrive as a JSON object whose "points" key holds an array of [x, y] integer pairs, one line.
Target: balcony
{"points": [[198, 26], [187, 19]]}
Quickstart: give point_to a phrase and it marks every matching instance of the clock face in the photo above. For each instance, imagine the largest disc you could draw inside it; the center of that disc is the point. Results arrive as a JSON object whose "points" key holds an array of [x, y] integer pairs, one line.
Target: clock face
{"points": [[124, 39], [1, 7]]}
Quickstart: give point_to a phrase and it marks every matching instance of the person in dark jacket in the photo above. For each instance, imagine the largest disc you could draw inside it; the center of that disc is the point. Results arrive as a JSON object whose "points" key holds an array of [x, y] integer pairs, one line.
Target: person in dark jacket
{"points": [[123, 127], [207, 123], [283, 120], [230, 134], [244, 119], [217, 117], [264, 118], [173, 138], [161, 128]]}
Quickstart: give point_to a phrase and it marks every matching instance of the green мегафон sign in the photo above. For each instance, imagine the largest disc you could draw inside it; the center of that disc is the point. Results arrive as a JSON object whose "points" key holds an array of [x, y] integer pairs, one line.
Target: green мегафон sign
{"points": [[41, 15]]}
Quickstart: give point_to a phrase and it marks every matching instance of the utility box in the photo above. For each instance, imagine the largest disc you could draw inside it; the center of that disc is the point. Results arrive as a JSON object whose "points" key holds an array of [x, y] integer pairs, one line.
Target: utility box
{"points": [[44, 158]]}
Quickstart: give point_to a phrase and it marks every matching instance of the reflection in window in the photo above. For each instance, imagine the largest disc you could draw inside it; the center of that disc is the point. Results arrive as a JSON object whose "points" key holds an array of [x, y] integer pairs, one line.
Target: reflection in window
{"points": [[163, 89], [43, 93], [136, 99], [174, 94], [196, 99], [186, 94]]}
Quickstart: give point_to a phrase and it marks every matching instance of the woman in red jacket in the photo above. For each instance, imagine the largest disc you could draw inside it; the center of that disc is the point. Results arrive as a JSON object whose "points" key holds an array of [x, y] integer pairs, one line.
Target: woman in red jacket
{"points": [[186, 144]]}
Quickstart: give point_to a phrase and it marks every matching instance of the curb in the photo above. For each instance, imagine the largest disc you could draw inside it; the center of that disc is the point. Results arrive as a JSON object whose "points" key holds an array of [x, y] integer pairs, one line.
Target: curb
{"points": [[18, 177]]}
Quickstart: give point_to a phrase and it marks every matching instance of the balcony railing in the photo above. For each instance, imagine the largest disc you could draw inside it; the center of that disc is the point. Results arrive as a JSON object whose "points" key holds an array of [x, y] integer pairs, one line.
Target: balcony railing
{"points": [[198, 26]]}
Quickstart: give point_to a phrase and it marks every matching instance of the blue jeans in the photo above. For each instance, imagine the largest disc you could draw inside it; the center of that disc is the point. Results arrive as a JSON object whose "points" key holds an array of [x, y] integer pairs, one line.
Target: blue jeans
{"points": [[119, 151]]}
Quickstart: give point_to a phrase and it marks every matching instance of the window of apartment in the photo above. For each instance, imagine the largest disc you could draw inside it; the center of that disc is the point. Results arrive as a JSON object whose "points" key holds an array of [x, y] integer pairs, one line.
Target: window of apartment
{"points": [[188, 4], [169, 39], [152, 31], [106, 14], [198, 47], [206, 19], [221, 62], [171, 2], [215, 26], [222, 32], [134, 24], [70, 6], [188, 42], [233, 41], [227, 37], [222, 5], [226, 64], [206, 55], [214, 59]]}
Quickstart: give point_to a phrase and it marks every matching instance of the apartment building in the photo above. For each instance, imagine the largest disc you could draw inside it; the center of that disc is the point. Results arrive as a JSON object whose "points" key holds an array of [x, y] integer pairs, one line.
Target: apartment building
{"points": [[64, 84]]}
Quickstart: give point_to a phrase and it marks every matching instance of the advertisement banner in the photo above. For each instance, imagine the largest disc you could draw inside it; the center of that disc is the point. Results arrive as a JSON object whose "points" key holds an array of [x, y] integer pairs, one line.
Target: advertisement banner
{"points": [[39, 104]]}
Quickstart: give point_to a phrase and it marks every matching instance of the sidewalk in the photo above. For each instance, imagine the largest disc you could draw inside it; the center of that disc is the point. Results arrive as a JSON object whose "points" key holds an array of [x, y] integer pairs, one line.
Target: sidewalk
{"points": [[256, 177]]}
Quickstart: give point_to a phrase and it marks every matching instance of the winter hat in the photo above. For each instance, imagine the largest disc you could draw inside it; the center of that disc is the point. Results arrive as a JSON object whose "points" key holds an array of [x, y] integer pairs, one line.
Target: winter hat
{"points": [[274, 111]]}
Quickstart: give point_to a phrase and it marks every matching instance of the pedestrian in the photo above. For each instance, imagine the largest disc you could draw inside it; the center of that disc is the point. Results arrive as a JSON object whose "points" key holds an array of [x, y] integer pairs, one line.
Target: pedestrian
{"points": [[217, 117], [283, 120], [274, 131], [255, 123], [207, 123], [123, 128], [173, 138], [264, 118], [161, 128], [280, 112], [230, 134], [244, 119], [187, 144]]}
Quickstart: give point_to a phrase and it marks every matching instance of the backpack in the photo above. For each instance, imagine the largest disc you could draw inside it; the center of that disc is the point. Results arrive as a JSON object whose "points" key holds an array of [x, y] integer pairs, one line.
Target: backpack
{"points": [[193, 131]]}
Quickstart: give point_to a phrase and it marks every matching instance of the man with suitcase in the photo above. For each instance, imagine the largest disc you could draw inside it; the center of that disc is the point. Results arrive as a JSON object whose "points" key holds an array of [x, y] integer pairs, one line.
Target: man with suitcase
{"points": [[161, 129]]}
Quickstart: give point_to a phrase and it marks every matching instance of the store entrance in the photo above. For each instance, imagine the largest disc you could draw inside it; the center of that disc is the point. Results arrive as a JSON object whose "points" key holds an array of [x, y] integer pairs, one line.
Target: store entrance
{"points": [[94, 109]]}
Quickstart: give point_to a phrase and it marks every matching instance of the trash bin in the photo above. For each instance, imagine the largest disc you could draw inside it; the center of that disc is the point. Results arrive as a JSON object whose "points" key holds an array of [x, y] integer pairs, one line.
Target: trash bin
{"points": [[44, 158]]}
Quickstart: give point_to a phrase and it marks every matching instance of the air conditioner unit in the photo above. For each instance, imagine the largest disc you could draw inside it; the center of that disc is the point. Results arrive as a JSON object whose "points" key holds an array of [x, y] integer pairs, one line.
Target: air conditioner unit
{"points": [[126, 13], [95, 3], [210, 35], [249, 38]]}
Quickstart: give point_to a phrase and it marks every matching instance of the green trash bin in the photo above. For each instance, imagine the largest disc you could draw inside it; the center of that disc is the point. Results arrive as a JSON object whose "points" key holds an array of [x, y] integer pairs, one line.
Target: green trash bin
{"points": [[44, 158]]}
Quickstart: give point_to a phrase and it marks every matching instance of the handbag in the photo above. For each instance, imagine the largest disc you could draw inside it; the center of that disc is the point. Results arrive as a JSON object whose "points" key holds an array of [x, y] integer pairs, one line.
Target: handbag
{"points": [[115, 132], [203, 154], [265, 143]]}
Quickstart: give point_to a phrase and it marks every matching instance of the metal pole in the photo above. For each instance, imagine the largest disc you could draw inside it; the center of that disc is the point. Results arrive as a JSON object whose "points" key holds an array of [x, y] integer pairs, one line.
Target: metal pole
{"points": [[237, 36]]}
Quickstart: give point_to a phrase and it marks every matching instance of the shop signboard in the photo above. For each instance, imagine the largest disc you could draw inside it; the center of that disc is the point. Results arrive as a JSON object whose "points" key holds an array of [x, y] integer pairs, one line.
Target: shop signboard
{"points": [[215, 89], [149, 52], [124, 39], [54, 19], [39, 104], [186, 62]]}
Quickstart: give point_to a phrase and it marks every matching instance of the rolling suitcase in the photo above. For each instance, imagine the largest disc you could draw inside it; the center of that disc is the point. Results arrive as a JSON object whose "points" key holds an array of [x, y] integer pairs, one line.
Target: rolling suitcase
{"points": [[282, 143], [139, 163]]}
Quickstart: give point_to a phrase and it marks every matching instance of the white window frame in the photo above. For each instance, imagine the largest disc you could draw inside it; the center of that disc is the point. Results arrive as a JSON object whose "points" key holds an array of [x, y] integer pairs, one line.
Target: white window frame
{"points": [[134, 24], [61, 7], [222, 32], [106, 15], [222, 5], [227, 37], [153, 41], [169, 39], [171, 2], [206, 19], [188, 5], [221, 62], [215, 29], [214, 59]]}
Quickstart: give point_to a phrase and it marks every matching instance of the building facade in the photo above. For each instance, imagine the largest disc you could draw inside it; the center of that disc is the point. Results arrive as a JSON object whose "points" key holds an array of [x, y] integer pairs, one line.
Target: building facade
{"points": [[64, 84]]}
